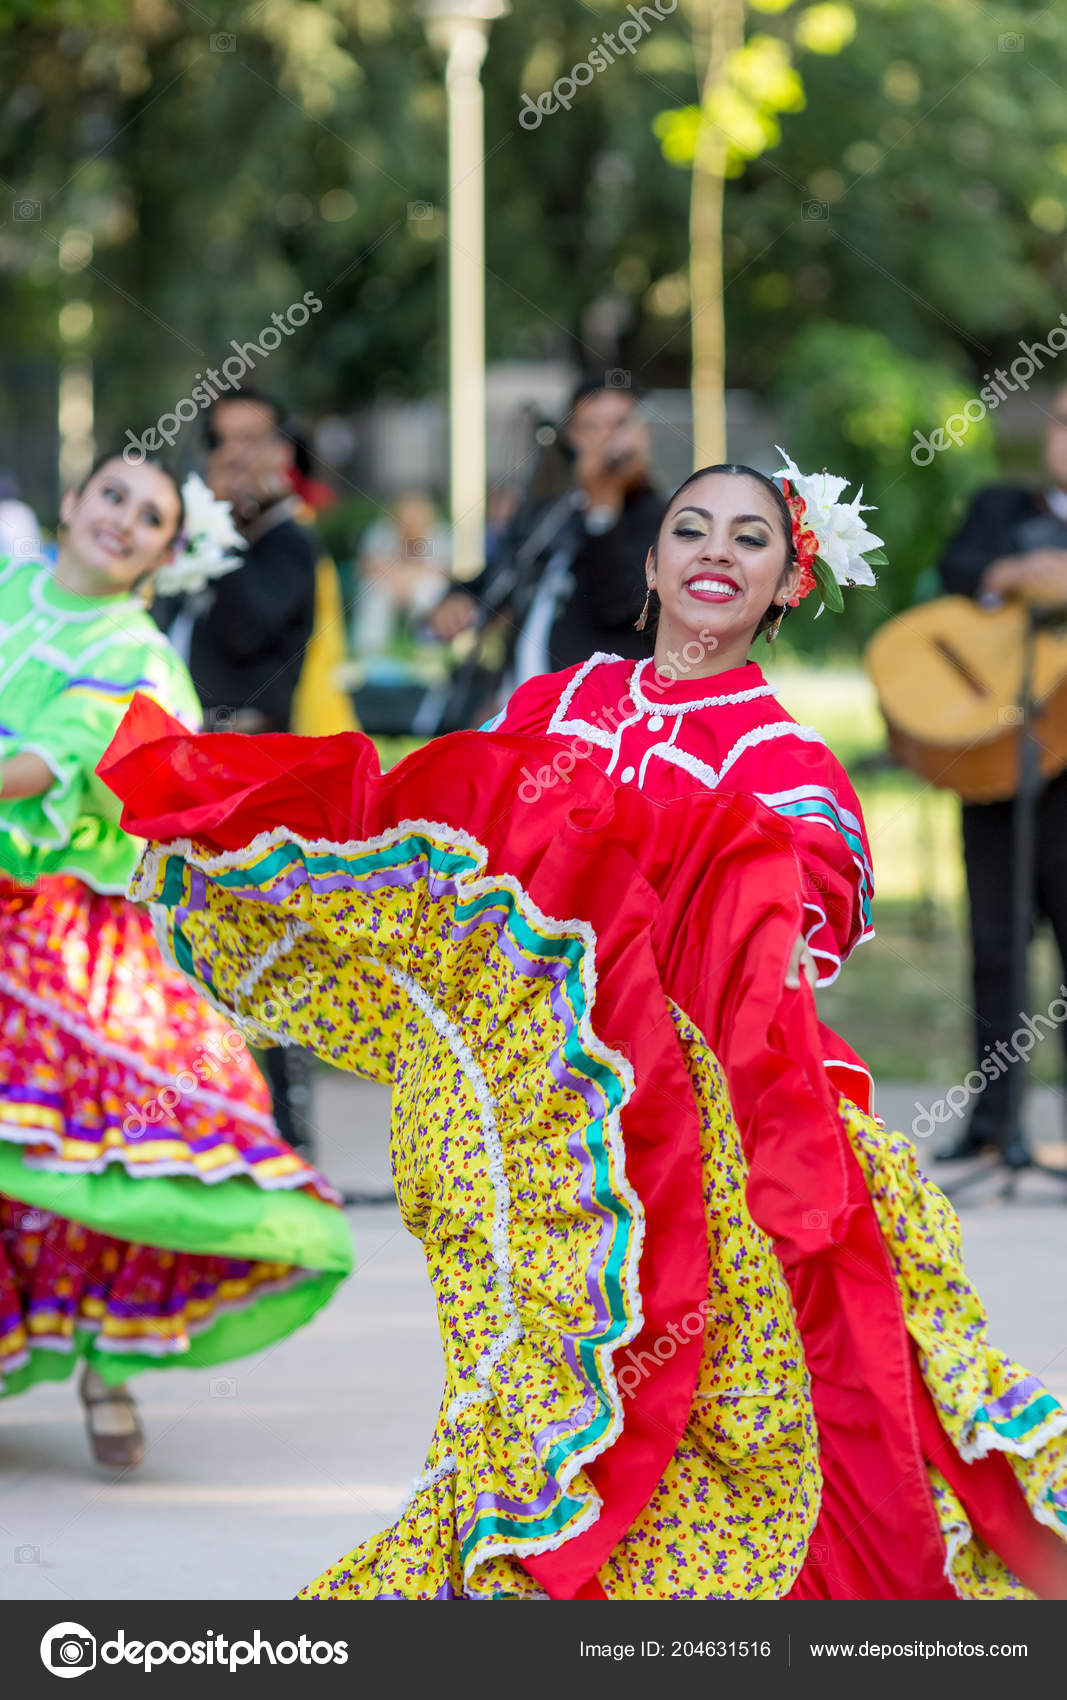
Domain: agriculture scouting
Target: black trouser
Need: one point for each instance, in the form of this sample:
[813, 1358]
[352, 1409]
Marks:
[288, 1072]
[989, 857]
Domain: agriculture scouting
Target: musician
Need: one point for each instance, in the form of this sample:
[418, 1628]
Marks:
[1013, 541]
[245, 639]
[569, 575]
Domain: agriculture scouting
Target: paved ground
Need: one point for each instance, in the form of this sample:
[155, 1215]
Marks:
[258, 1479]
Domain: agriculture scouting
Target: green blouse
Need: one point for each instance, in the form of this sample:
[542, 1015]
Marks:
[69, 666]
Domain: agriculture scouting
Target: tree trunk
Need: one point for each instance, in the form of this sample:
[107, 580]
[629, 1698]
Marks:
[718, 30]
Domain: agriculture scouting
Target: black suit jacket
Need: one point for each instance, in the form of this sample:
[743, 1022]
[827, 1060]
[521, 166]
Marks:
[606, 589]
[1003, 519]
[252, 626]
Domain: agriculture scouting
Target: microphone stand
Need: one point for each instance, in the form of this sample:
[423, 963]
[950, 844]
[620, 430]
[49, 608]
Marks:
[1024, 834]
[549, 528]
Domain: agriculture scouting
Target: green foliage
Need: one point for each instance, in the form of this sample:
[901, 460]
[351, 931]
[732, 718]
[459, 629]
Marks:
[761, 83]
[827, 586]
[852, 402]
[914, 193]
[907, 229]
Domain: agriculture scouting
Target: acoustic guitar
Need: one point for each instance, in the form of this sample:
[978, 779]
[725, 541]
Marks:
[949, 677]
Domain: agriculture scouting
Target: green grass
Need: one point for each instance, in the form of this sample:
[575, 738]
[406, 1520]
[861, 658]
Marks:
[903, 1000]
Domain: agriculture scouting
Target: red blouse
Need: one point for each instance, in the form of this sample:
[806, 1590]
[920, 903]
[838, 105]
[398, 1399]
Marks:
[726, 733]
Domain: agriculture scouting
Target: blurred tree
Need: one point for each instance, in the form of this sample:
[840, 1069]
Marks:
[174, 181]
[743, 88]
[933, 141]
[853, 400]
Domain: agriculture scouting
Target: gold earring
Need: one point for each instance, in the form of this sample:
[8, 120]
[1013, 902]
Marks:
[642, 620]
[773, 629]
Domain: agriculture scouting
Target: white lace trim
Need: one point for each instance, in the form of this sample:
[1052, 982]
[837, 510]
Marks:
[513, 1331]
[783, 1390]
[830, 1063]
[449, 1466]
[816, 1490]
[429, 1478]
[294, 932]
[987, 1440]
[711, 777]
[668, 750]
[772, 799]
[527, 1594]
[799, 792]
[23, 1135]
[531, 1548]
[677, 708]
[831, 956]
[959, 1534]
[245, 1024]
[166, 1348]
[16, 1361]
[561, 725]
[197, 856]
[559, 714]
[464, 1401]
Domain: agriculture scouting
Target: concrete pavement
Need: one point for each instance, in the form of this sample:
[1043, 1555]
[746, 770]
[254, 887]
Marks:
[260, 1475]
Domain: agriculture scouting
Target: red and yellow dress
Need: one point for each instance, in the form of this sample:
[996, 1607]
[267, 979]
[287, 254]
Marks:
[150, 1213]
[706, 1328]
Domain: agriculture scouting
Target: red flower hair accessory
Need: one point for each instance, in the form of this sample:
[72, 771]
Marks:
[834, 547]
[805, 543]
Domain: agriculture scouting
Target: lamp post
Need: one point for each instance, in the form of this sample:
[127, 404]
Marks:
[75, 414]
[460, 30]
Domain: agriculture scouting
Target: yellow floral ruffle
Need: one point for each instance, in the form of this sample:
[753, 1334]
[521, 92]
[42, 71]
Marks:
[985, 1402]
[447, 981]
[733, 1513]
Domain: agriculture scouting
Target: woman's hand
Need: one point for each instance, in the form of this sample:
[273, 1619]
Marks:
[800, 962]
[25, 775]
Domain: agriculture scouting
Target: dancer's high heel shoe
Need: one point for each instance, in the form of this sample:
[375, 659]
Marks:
[115, 1433]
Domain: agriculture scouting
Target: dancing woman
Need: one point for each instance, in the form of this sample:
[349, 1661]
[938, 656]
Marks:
[706, 1328]
[149, 1212]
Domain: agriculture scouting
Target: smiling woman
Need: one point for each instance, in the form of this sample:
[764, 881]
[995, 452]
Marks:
[113, 1105]
[707, 1333]
[719, 569]
[119, 528]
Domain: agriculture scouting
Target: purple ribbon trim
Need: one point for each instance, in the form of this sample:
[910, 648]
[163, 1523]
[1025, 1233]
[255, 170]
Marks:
[31, 1095]
[1020, 1394]
[106, 684]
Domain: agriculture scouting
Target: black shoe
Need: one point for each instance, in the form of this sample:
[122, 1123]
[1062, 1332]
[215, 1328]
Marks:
[970, 1143]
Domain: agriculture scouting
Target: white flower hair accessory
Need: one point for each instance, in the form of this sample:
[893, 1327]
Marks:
[833, 544]
[206, 542]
